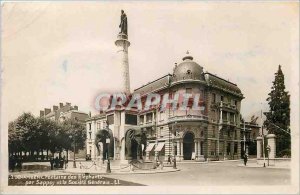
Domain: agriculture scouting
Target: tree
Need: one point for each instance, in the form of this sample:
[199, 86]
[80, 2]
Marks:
[279, 114]
[76, 130]
[36, 135]
[26, 129]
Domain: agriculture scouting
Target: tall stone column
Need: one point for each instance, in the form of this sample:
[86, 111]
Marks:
[181, 150]
[258, 147]
[122, 43]
[178, 150]
[199, 148]
[271, 143]
[196, 149]
[173, 147]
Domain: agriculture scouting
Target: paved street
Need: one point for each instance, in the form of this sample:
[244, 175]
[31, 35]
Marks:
[203, 174]
[214, 173]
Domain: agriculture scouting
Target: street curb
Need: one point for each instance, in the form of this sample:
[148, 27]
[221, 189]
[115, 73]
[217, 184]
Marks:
[267, 167]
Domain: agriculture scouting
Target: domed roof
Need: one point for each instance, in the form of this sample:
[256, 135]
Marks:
[188, 69]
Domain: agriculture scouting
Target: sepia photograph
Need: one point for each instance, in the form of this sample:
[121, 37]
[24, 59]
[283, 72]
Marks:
[142, 97]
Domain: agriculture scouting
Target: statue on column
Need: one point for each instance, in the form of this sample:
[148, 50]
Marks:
[123, 24]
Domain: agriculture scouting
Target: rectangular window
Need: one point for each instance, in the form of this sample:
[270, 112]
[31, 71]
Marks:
[161, 115]
[235, 148]
[90, 126]
[224, 116]
[160, 132]
[214, 131]
[228, 100]
[110, 119]
[98, 125]
[90, 135]
[201, 94]
[130, 119]
[149, 117]
[214, 115]
[213, 148]
[213, 98]
[141, 119]
[222, 98]
[172, 94]
[188, 90]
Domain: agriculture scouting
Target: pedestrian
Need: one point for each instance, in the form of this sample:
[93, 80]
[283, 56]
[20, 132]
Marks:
[245, 159]
[56, 162]
[65, 162]
[19, 163]
[51, 162]
[161, 165]
[12, 163]
[169, 159]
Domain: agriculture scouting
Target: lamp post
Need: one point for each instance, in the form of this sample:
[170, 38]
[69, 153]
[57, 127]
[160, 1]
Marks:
[263, 140]
[74, 162]
[108, 161]
[268, 149]
[174, 160]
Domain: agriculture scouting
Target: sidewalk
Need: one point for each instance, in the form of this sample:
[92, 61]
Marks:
[255, 165]
[119, 171]
[206, 162]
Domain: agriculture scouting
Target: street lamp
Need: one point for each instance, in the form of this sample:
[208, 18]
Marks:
[174, 160]
[108, 161]
[268, 149]
[74, 162]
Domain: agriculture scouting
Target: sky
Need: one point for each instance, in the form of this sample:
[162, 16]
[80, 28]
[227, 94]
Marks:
[64, 51]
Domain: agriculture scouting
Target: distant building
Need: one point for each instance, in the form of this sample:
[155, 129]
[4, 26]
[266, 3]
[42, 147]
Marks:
[62, 112]
[249, 133]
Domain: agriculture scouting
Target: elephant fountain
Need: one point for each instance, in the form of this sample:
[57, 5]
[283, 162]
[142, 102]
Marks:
[135, 144]
[107, 148]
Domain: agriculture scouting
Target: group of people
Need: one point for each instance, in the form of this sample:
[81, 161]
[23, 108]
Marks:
[15, 162]
[58, 162]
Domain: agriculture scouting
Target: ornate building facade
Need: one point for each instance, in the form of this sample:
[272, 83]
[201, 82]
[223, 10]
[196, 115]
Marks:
[213, 133]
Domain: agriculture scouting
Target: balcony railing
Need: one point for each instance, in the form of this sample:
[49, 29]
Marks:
[227, 105]
[188, 118]
[226, 122]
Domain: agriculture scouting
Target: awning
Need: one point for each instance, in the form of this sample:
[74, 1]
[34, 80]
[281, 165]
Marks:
[159, 146]
[150, 147]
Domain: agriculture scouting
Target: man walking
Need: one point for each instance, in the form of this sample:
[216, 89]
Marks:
[245, 159]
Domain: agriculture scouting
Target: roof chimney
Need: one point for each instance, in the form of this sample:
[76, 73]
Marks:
[75, 107]
[61, 105]
[42, 113]
[55, 108]
[47, 111]
[68, 104]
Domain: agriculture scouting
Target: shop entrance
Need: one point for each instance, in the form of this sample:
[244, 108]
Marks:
[188, 146]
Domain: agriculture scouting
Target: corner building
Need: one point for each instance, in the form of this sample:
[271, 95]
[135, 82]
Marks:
[210, 134]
